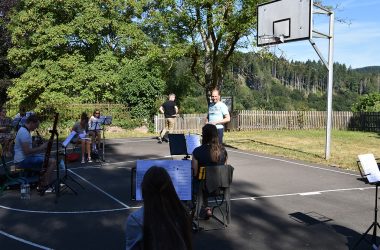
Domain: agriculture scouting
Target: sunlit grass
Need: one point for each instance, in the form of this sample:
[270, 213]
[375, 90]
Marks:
[308, 145]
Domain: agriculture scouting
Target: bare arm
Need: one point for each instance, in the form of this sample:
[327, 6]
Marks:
[29, 151]
[194, 166]
[161, 110]
[176, 110]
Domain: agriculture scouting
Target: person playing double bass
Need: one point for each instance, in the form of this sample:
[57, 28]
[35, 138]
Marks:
[29, 157]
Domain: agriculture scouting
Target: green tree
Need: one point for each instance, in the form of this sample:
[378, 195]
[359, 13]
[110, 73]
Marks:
[78, 51]
[367, 103]
[210, 31]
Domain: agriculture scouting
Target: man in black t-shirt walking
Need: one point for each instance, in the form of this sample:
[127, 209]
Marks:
[170, 110]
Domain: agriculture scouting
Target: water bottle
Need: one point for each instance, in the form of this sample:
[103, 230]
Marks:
[62, 165]
[25, 191]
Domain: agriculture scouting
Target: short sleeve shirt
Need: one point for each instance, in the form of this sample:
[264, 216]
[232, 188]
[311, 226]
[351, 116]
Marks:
[134, 229]
[216, 112]
[203, 156]
[169, 109]
[23, 136]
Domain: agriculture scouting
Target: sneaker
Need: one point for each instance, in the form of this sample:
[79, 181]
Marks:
[83, 161]
[160, 142]
[50, 190]
[89, 160]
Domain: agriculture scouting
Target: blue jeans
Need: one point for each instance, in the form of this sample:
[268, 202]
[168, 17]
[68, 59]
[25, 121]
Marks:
[32, 161]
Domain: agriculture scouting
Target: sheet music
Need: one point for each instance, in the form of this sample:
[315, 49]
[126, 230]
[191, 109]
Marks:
[108, 120]
[370, 168]
[179, 171]
[68, 139]
[192, 141]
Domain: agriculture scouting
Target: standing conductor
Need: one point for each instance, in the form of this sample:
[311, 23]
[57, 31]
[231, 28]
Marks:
[170, 111]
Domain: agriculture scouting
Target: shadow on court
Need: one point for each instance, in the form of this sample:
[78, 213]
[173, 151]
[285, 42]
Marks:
[271, 207]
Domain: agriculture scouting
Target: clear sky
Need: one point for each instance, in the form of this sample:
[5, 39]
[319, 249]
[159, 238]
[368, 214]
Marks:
[357, 39]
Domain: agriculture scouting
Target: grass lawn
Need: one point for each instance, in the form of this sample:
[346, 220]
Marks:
[308, 145]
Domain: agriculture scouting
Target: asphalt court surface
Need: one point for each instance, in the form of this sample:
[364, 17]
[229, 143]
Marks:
[277, 203]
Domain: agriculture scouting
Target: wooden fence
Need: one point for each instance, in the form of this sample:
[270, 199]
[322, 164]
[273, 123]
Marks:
[246, 120]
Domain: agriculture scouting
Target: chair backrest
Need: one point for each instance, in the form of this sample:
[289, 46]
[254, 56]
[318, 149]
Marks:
[370, 167]
[219, 176]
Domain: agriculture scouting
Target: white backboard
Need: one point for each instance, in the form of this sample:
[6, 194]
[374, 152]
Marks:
[284, 21]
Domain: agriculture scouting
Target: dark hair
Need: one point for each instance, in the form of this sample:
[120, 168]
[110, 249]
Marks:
[210, 136]
[84, 116]
[166, 222]
[32, 119]
[96, 110]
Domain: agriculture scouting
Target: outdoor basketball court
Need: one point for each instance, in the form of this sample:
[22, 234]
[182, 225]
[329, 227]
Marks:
[276, 203]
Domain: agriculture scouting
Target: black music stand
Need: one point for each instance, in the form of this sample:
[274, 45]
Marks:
[177, 145]
[371, 172]
[99, 125]
[66, 175]
[58, 181]
[181, 144]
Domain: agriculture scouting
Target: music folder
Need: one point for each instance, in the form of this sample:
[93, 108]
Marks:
[68, 139]
[179, 171]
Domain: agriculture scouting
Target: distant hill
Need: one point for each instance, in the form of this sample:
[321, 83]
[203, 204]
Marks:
[369, 69]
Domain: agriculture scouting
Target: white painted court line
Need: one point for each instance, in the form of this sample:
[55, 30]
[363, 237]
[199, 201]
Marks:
[24, 241]
[302, 194]
[99, 189]
[67, 212]
[295, 163]
[309, 193]
[136, 207]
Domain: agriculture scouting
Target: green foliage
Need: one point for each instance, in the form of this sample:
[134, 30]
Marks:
[139, 88]
[368, 103]
[194, 105]
[81, 51]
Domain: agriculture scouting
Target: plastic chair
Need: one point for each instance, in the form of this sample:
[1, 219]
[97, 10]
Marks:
[215, 182]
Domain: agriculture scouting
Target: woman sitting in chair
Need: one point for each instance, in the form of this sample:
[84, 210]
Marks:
[81, 128]
[95, 129]
[210, 153]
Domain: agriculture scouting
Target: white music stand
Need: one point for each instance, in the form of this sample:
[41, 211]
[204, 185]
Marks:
[371, 172]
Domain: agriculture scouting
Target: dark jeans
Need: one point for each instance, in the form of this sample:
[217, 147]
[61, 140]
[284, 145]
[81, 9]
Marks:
[220, 135]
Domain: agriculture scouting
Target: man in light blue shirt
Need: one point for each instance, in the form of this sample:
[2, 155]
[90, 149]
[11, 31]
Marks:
[218, 113]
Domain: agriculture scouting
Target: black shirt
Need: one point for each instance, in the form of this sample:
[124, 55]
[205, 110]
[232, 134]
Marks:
[169, 109]
[203, 156]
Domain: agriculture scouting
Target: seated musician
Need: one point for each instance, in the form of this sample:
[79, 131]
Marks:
[95, 127]
[81, 128]
[28, 157]
[210, 153]
[20, 118]
[6, 134]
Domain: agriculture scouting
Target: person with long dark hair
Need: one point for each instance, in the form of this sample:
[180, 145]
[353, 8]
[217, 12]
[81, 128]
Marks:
[162, 223]
[210, 153]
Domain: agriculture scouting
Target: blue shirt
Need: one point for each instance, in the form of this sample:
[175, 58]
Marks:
[216, 112]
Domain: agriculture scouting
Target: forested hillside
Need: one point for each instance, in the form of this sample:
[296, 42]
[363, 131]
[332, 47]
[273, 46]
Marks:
[278, 84]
